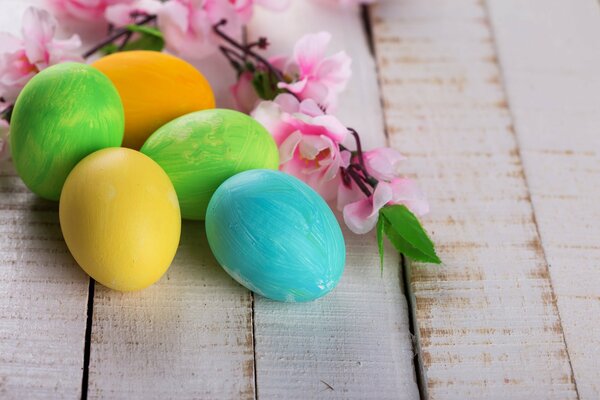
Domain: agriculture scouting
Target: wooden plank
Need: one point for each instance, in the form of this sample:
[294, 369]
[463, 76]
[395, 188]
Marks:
[43, 293]
[189, 335]
[550, 57]
[355, 342]
[43, 299]
[487, 319]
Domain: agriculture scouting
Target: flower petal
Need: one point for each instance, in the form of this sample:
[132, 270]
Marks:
[269, 114]
[335, 71]
[287, 149]
[288, 103]
[309, 51]
[406, 191]
[244, 95]
[361, 216]
[335, 129]
[311, 146]
[9, 43]
[38, 30]
[348, 194]
[381, 196]
[294, 87]
[358, 216]
[382, 162]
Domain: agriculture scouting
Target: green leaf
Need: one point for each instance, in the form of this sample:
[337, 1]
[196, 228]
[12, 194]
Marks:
[149, 39]
[407, 235]
[144, 29]
[257, 82]
[265, 85]
[109, 49]
[381, 222]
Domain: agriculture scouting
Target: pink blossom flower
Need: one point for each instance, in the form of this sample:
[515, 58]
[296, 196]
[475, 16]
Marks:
[308, 141]
[316, 76]
[244, 94]
[245, 8]
[21, 59]
[361, 216]
[188, 24]
[121, 14]
[84, 10]
[382, 163]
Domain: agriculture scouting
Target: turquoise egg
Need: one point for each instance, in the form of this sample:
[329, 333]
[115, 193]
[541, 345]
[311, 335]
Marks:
[276, 236]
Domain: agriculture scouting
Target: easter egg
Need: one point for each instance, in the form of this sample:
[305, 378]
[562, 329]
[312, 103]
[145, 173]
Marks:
[276, 236]
[120, 218]
[201, 150]
[63, 114]
[155, 88]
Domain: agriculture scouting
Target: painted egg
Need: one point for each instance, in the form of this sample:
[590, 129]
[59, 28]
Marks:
[155, 88]
[63, 114]
[120, 218]
[199, 151]
[276, 236]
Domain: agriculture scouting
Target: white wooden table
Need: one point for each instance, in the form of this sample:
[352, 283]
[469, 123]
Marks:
[497, 105]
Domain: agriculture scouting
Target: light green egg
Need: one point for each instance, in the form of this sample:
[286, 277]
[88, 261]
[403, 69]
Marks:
[199, 151]
[63, 114]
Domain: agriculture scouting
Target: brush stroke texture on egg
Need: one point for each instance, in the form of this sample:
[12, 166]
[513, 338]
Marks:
[120, 218]
[276, 236]
[63, 114]
[199, 151]
[155, 88]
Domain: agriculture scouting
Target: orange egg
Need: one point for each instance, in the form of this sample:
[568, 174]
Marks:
[155, 88]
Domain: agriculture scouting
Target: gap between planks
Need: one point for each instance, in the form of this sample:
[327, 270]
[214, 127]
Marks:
[551, 57]
[447, 110]
[404, 262]
[125, 331]
[528, 188]
[355, 339]
[88, 340]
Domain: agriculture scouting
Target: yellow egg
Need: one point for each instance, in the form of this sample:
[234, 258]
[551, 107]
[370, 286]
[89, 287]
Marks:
[154, 88]
[120, 217]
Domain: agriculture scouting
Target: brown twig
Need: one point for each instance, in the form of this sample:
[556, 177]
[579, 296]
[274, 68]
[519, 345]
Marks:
[116, 35]
[247, 50]
[359, 181]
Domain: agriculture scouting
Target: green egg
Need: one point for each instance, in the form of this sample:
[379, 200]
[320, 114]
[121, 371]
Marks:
[201, 150]
[63, 114]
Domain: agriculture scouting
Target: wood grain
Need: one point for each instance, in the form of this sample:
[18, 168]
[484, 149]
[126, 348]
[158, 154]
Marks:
[43, 299]
[43, 293]
[188, 336]
[355, 342]
[487, 319]
[554, 95]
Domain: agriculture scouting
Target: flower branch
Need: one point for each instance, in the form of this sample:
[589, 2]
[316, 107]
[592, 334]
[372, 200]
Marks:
[311, 148]
[262, 43]
[116, 35]
[294, 97]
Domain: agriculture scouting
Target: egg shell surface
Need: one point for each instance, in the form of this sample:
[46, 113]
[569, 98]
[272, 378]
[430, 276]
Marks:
[199, 151]
[155, 88]
[63, 114]
[120, 218]
[276, 236]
